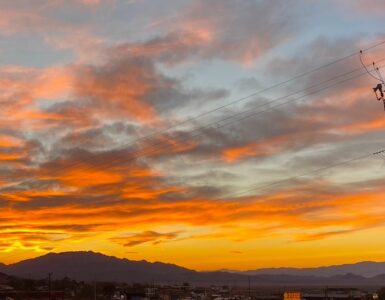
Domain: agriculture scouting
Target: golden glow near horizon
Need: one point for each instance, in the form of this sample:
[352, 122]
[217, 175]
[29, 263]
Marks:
[91, 157]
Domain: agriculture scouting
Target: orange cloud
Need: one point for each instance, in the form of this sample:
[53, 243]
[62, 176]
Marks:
[79, 178]
[11, 156]
[7, 141]
[119, 92]
[371, 125]
[145, 237]
[263, 147]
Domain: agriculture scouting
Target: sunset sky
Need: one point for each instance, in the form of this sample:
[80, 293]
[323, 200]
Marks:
[136, 128]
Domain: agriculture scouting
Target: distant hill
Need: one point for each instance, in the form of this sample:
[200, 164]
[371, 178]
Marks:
[94, 266]
[366, 269]
[90, 266]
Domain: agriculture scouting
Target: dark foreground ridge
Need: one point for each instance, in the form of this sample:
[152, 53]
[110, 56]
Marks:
[91, 266]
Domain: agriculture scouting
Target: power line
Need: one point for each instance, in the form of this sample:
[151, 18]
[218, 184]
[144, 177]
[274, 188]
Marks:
[381, 152]
[154, 148]
[256, 93]
[243, 112]
[320, 170]
[162, 131]
[239, 100]
[162, 146]
[379, 78]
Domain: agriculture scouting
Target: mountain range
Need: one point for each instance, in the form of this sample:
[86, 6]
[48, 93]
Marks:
[366, 269]
[91, 266]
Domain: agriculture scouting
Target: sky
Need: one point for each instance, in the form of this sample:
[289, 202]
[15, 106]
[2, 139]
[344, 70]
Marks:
[221, 134]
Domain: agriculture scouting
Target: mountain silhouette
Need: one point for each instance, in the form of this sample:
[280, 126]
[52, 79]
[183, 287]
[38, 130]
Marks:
[91, 266]
[365, 269]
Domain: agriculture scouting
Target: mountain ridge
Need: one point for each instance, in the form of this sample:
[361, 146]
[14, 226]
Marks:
[91, 266]
[364, 268]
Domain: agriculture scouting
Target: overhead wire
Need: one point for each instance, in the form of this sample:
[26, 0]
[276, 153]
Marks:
[305, 174]
[90, 168]
[135, 154]
[239, 100]
[381, 152]
[296, 99]
[154, 148]
[366, 68]
[160, 145]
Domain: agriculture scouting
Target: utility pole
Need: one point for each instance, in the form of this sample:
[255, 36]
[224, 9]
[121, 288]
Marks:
[95, 290]
[49, 286]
